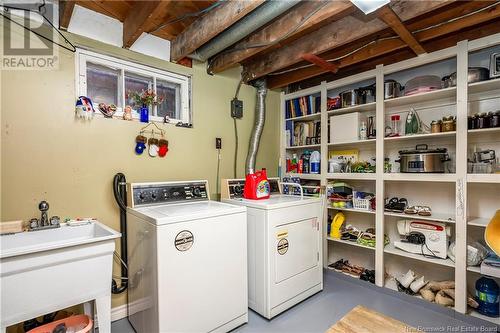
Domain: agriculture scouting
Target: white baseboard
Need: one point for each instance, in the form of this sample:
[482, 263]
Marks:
[119, 312]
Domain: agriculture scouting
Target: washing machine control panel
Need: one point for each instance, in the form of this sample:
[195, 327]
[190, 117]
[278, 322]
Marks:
[144, 194]
[236, 186]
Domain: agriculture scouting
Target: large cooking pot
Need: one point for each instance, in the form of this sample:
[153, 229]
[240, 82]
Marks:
[423, 160]
[392, 89]
[350, 98]
[367, 94]
[475, 74]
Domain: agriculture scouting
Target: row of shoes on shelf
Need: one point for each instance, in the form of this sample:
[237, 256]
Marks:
[400, 205]
[358, 272]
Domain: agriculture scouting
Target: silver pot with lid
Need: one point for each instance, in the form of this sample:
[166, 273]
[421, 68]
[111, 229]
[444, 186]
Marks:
[423, 160]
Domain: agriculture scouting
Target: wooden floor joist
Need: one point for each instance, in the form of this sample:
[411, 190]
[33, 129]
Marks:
[210, 25]
[390, 18]
[386, 47]
[331, 36]
[322, 13]
[141, 19]
[65, 12]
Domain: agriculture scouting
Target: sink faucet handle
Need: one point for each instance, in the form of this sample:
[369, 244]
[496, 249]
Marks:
[43, 206]
[34, 223]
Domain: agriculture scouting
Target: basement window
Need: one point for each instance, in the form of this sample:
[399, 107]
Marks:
[111, 80]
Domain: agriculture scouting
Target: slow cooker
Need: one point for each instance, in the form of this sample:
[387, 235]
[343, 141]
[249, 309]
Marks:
[423, 160]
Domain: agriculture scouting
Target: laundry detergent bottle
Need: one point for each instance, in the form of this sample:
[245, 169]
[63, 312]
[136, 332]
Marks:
[487, 291]
[257, 186]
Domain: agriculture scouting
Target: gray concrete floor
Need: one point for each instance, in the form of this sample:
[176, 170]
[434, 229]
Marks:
[339, 296]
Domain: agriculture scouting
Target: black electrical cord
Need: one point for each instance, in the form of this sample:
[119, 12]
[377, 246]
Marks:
[42, 6]
[236, 139]
[120, 194]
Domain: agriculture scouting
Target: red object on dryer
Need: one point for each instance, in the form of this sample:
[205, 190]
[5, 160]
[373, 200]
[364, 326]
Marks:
[257, 186]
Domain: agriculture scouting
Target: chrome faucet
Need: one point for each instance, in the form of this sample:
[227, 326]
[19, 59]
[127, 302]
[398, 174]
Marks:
[44, 222]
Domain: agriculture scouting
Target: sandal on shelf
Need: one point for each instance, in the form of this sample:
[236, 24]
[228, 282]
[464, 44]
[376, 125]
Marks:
[400, 206]
[425, 211]
[356, 271]
[389, 206]
[411, 210]
[339, 265]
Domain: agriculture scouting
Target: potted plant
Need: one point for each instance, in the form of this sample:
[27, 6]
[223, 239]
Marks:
[145, 98]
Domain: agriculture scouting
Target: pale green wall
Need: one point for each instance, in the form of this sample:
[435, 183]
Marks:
[48, 155]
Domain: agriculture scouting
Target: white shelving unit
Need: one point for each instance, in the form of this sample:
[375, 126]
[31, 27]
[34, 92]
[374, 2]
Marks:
[469, 198]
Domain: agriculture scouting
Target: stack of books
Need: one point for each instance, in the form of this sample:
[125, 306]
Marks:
[302, 106]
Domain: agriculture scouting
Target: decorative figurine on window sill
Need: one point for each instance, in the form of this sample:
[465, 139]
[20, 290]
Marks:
[127, 113]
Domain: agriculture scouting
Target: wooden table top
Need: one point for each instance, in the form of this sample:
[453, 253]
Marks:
[364, 320]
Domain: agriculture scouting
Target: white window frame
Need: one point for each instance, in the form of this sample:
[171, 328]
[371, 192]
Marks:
[83, 56]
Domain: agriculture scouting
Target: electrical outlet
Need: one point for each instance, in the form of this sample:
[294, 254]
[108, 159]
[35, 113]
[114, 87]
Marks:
[218, 143]
[236, 108]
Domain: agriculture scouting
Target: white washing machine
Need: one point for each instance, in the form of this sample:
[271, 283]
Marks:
[187, 259]
[284, 247]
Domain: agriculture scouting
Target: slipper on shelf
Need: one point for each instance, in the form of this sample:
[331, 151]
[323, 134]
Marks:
[425, 211]
[356, 271]
[411, 210]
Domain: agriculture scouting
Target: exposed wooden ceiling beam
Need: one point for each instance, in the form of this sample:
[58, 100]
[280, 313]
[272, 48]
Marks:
[385, 47]
[321, 63]
[65, 12]
[390, 18]
[320, 13]
[333, 35]
[210, 25]
[140, 19]
[449, 40]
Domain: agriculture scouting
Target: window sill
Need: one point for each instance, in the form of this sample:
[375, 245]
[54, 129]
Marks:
[135, 118]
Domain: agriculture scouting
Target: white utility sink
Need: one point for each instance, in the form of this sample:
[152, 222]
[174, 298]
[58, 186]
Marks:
[48, 270]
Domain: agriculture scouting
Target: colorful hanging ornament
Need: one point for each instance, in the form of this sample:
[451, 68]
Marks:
[163, 149]
[140, 144]
[153, 147]
[84, 108]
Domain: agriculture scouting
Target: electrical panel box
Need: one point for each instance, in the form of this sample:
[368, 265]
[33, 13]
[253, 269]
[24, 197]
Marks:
[237, 108]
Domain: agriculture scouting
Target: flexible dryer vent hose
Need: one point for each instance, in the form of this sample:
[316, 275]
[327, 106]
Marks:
[260, 118]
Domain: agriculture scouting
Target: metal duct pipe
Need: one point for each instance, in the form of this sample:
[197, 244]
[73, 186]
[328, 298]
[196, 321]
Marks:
[251, 22]
[260, 118]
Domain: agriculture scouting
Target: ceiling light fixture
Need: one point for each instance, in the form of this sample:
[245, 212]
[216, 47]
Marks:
[369, 6]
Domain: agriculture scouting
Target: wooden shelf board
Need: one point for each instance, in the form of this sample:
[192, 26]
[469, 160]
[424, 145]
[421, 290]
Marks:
[312, 176]
[352, 210]
[476, 269]
[443, 262]
[478, 221]
[437, 217]
[360, 176]
[349, 243]
[422, 136]
[421, 177]
[483, 317]
[316, 115]
[302, 147]
[353, 143]
[483, 178]
[356, 108]
[419, 98]
[484, 86]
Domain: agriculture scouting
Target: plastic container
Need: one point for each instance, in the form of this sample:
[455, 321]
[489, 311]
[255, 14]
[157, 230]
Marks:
[487, 295]
[76, 324]
[314, 162]
[257, 186]
[361, 204]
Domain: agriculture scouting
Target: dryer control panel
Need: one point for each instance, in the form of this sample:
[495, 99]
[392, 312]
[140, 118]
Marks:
[147, 194]
[233, 188]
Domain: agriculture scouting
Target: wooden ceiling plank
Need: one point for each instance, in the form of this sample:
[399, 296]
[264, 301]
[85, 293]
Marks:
[390, 18]
[386, 47]
[210, 25]
[333, 35]
[65, 12]
[140, 18]
[328, 12]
